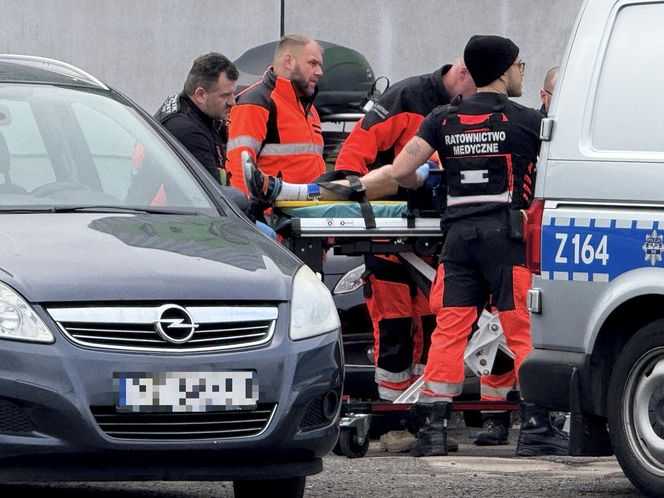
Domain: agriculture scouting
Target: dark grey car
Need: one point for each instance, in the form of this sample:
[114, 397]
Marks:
[148, 330]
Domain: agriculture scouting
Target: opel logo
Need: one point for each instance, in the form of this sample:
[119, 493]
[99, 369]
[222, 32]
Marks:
[175, 324]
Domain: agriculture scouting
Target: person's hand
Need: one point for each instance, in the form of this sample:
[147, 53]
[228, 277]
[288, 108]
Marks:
[422, 173]
[428, 181]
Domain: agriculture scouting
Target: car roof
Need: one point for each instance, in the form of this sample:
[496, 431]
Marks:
[31, 69]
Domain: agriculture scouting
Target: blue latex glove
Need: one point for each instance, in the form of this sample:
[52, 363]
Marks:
[428, 181]
[267, 230]
[422, 173]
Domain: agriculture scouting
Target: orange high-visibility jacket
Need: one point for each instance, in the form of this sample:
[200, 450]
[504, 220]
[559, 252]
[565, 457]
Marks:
[395, 118]
[281, 132]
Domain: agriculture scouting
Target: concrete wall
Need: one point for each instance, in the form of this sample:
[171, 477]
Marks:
[144, 48]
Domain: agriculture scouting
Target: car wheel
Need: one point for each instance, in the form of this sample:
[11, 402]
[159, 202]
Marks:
[293, 487]
[636, 409]
[349, 444]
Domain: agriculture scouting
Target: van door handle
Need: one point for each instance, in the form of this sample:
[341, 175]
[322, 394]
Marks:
[546, 127]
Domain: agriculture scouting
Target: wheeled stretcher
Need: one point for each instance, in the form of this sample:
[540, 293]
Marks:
[309, 228]
[309, 225]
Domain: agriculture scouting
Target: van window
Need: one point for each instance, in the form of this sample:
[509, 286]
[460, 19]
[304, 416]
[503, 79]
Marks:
[629, 106]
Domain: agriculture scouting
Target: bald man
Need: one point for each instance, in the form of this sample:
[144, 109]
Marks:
[275, 121]
[546, 93]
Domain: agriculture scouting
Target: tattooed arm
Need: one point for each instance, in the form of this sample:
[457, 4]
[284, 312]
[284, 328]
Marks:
[386, 180]
[414, 154]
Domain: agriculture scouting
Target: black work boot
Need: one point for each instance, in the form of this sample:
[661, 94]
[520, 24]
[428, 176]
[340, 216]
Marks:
[537, 435]
[261, 186]
[494, 431]
[416, 420]
[432, 436]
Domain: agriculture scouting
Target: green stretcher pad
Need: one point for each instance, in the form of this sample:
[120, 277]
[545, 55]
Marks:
[312, 209]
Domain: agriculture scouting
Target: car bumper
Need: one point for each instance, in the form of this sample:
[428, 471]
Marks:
[50, 428]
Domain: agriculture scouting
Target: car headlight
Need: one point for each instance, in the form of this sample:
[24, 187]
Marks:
[312, 309]
[19, 321]
[350, 281]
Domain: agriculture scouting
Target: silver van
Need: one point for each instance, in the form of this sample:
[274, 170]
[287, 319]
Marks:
[595, 238]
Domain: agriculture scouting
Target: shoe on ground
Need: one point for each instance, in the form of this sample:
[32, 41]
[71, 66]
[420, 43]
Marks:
[542, 441]
[397, 441]
[537, 435]
[493, 433]
[403, 442]
[429, 444]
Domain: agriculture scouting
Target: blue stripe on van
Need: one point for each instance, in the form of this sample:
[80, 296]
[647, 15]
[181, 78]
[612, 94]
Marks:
[599, 253]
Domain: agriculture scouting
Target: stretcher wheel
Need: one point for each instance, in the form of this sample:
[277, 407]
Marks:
[349, 445]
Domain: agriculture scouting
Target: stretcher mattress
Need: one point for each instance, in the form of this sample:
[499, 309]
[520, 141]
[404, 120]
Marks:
[329, 218]
[340, 209]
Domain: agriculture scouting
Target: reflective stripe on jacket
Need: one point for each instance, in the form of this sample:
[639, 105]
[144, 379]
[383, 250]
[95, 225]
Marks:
[281, 131]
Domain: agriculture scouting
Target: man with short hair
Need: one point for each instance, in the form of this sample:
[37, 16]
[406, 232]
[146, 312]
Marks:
[197, 116]
[546, 93]
[275, 121]
[395, 117]
[399, 311]
[488, 147]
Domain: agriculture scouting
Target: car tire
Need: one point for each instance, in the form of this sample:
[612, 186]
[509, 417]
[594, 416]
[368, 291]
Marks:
[636, 409]
[292, 487]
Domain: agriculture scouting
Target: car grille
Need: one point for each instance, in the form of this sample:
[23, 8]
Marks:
[170, 426]
[13, 420]
[313, 417]
[166, 328]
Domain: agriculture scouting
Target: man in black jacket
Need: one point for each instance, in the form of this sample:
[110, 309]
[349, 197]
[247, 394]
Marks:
[197, 116]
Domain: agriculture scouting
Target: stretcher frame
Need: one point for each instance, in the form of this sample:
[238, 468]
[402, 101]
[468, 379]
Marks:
[307, 237]
[410, 238]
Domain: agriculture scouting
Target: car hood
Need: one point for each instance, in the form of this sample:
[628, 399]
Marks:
[58, 257]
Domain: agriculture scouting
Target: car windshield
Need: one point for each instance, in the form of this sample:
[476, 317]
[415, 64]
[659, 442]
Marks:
[65, 148]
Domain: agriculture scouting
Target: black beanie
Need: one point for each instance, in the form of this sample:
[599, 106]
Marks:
[487, 57]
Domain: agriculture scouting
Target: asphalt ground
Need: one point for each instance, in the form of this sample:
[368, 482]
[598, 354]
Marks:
[473, 471]
[489, 471]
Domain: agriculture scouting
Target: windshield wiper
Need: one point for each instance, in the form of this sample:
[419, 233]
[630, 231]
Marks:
[119, 209]
[98, 209]
[23, 209]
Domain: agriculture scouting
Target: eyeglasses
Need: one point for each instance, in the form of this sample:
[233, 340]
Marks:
[546, 91]
[522, 66]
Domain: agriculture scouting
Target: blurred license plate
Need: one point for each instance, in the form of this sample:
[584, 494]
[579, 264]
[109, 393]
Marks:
[185, 391]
